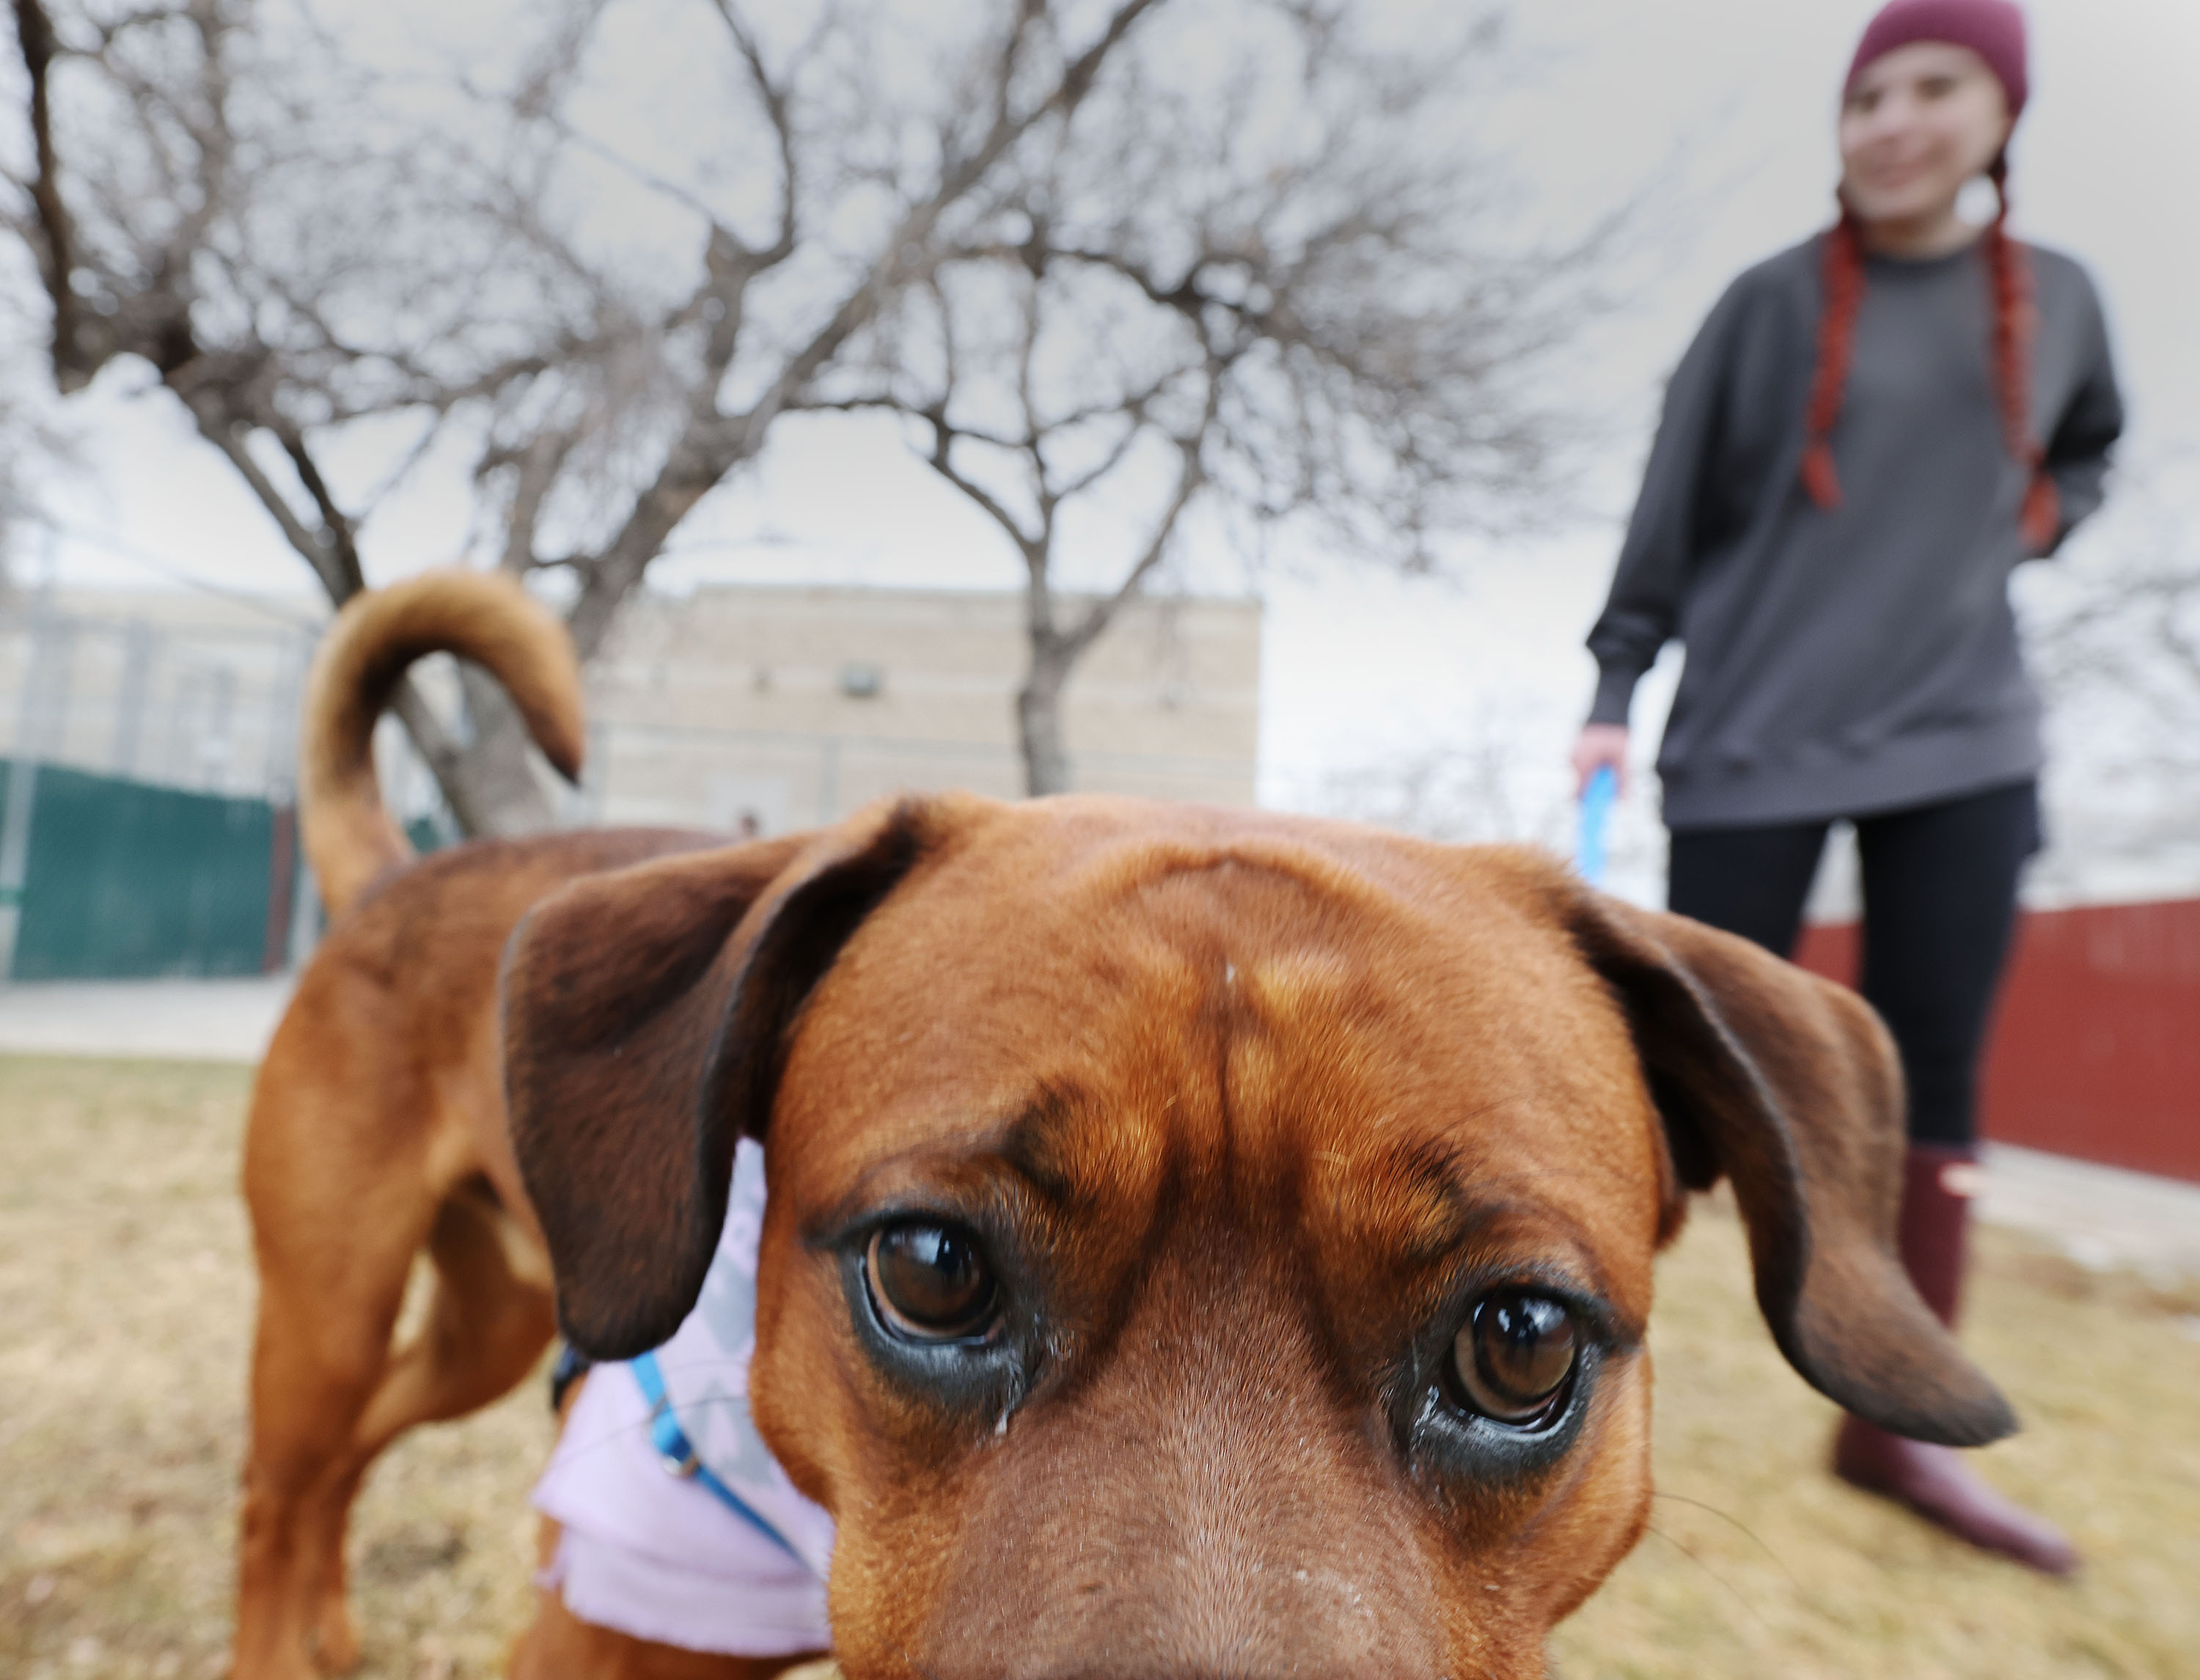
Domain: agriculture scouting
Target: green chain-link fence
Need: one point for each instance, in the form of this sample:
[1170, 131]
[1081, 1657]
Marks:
[123, 879]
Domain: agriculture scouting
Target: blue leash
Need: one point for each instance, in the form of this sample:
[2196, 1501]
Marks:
[1596, 803]
[677, 1453]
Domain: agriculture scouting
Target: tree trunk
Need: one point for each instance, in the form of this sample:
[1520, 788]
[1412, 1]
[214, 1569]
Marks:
[1038, 723]
[503, 793]
[486, 780]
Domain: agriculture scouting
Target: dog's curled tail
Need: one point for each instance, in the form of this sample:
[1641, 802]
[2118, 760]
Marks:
[485, 616]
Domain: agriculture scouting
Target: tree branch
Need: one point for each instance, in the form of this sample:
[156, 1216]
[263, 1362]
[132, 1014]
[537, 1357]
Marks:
[708, 447]
[774, 96]
[956, 178]
[74, 361]
[324, 556]
[336, 532]
[1097, 618]
[1069, 489]
[536, 469]
[940, 461]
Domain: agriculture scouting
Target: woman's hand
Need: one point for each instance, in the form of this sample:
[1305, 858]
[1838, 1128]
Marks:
[1600, 745]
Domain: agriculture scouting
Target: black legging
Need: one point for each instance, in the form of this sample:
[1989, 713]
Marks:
[1939, 895]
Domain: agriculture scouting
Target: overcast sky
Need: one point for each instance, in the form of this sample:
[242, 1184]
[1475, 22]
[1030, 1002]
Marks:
[1725, 108]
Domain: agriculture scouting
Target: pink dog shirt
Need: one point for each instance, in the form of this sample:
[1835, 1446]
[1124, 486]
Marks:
[659, 1556]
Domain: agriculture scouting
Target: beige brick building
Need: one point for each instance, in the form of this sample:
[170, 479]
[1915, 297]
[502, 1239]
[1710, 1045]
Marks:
[792, 707]
[788, 706]
[188, 690]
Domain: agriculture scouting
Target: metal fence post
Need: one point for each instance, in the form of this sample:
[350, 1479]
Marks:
[140, 647]
[47, 669]
[14, 853]
[280, 776]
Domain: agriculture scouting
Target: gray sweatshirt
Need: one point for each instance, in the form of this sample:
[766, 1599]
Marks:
[1861, 658]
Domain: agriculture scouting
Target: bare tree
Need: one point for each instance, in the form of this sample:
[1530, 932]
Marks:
[302, 247]
[1499, 777]
[25, 446]
[1233, 294]
[1065, 443]
[2113, 637]
[33, 447]
[1481, 787]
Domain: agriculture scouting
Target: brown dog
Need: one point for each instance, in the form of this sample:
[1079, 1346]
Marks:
[376, 1130]
[1198, 1241]
[1201, 1243]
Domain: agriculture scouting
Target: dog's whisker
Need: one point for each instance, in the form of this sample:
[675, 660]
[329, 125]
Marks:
[902, 1651]
[1735, 1592]
[1749, 1533]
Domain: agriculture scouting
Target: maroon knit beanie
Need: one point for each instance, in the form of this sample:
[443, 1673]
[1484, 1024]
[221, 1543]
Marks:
[1993, 29]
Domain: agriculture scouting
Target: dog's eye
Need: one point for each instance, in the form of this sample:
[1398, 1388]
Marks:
[930, 1283]
[1512, 1360]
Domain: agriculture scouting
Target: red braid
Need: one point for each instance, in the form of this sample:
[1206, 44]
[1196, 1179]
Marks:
[2016, 321]
[2010, 269]
[1843, 261]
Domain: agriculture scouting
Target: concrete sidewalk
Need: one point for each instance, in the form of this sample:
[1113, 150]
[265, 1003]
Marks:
[172, 1020]
[2100, 1217]
[2103, 1217]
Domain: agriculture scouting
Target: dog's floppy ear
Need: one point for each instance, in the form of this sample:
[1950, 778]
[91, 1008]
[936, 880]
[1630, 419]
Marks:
[645, 1019]
[1788, 1085]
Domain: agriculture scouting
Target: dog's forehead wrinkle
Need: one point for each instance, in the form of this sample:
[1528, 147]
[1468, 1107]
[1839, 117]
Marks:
[1424, 1199]
[1234, 900]
[1038, 1139]
[1139, 861]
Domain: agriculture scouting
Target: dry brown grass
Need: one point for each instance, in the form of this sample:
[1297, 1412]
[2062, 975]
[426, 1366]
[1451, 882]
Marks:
[125, 1303]
[1762, 1565]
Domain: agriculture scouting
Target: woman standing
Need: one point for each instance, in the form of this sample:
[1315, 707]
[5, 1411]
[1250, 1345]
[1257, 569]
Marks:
[1869, 433]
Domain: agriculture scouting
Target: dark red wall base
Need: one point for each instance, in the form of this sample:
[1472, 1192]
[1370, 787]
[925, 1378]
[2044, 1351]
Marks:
[2096, 1049]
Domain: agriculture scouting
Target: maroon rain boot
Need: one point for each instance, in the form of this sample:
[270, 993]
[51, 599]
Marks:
[1935, 1481]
